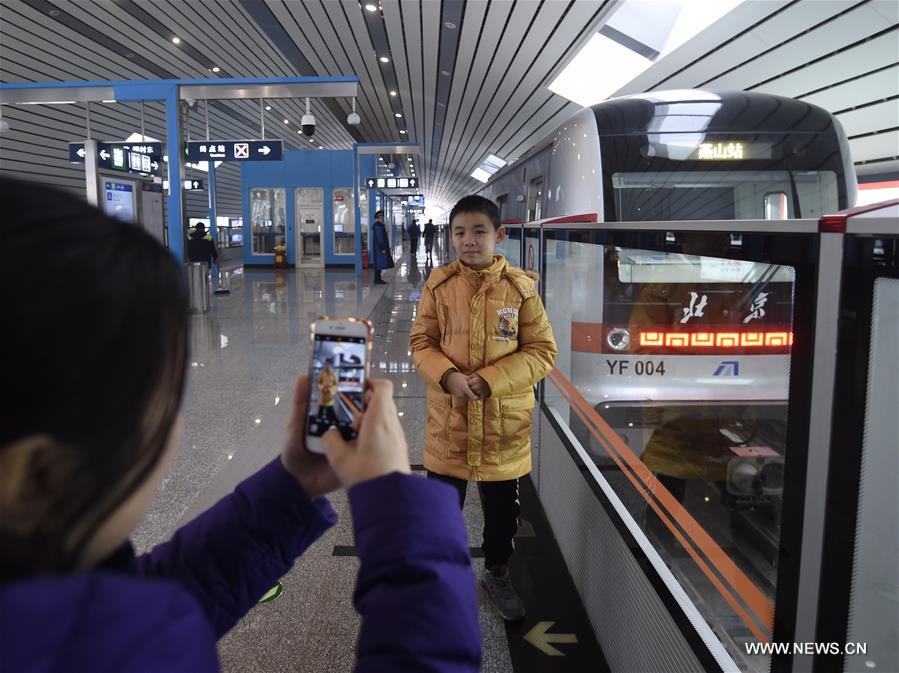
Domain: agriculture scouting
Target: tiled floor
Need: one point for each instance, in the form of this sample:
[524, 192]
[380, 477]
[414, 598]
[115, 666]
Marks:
[246, 353]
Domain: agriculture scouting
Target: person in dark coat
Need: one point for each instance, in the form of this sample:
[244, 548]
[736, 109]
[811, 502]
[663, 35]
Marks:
[414, 235]
[200, 247]
[430, 230]
[78, 471]
[380, 247]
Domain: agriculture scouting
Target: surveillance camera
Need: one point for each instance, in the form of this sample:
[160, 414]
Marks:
[308, 125]
[353, 119]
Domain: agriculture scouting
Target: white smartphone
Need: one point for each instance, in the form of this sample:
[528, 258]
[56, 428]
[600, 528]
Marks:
[338, 372]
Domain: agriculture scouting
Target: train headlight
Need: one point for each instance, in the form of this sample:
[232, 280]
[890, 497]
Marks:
[619, 339]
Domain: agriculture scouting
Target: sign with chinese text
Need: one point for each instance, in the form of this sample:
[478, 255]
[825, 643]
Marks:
[130, 157]
[234, 150]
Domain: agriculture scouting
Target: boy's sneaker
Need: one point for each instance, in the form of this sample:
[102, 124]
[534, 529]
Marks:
[503, 595]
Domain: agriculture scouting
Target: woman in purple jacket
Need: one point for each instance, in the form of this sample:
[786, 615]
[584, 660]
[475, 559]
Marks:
[95, 349]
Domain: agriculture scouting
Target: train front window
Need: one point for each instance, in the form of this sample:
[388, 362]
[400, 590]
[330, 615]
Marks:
[723, 195]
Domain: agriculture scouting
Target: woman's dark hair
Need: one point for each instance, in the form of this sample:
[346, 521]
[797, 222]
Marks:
[476, 204]
[94, 348]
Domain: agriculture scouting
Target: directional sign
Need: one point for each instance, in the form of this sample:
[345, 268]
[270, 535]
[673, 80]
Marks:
[391, 183]
[539, 638]
[234, 150]
[131, 157]
[194, 185]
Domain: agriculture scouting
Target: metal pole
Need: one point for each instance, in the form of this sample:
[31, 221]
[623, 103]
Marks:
[91, 180]
[357, 238]
[262, 116]
[206, 110]
[143, 137]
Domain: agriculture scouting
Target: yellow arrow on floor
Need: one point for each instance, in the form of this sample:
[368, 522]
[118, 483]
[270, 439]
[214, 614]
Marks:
[539, 638]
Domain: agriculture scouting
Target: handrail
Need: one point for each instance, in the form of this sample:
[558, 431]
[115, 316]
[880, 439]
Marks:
[799, 226]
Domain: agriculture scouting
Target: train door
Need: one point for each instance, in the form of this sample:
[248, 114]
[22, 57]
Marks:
[502, 204]
[535, 199]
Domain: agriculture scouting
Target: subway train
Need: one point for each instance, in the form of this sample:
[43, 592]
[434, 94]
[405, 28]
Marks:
[680, 340]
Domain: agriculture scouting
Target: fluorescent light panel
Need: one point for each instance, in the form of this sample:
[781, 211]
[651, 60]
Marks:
[603, 66]
[480, 174]
[598, 70]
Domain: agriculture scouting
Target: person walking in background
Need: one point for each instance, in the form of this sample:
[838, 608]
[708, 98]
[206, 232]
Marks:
[200, 247]
[481, 356]
[430, 230]
[414, 235]
[380, 247]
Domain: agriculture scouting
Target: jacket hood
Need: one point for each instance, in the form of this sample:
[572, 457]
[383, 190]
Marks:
[101, 621]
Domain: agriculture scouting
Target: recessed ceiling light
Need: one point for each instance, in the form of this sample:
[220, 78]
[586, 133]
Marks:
[300, 131]
[310, 140]
[450, 25]
[176, 40]
[441, 104]
[371, 8]
[397, 115]
[393, 93]
[403, 131]
[384, 59]
[215, 68]
[268, 107]
[445, 73]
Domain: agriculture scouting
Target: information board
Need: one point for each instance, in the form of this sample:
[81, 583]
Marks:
[118, 199]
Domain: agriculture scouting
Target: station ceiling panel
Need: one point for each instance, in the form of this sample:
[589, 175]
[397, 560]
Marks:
[462, 79]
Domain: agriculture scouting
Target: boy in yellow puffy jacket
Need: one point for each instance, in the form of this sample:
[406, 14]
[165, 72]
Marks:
[482, 340]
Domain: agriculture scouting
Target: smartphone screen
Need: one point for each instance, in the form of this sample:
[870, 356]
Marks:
[337, 383]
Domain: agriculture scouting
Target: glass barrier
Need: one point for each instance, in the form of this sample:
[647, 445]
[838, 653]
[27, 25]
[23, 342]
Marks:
[344, 221]
[267, 219]
[673, 374]
[510, 246]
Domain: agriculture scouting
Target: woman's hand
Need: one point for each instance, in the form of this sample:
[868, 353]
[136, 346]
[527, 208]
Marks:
[311, 470]
[381, 445]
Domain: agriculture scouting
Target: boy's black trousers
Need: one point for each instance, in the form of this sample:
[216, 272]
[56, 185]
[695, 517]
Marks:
[501, 506]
